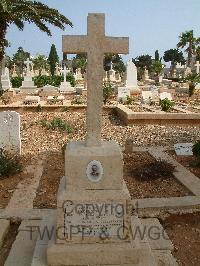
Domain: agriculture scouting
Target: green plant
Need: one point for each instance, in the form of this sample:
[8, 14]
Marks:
[130, 100]
[16, 82]
[5, 99]
[56, 123]
[65, 109]
[196, 149]
[41, 81]
[155, 170]
[166, 104]
[77, 101]
[38, 108]
[9, 164]
[53, 59]
[108, 90]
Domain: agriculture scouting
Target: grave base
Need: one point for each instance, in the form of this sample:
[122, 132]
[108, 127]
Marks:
[100, 254]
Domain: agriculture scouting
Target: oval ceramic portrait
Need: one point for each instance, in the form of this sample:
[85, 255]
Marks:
[94, 171]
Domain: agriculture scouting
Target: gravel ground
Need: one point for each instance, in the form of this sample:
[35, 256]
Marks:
[37, 139]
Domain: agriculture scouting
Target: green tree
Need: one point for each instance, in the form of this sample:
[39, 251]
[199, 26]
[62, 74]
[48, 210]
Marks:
[118, 64]
[19, 57]
[20, 11]
[141, 62]
[41, 62]
[188, 41]
[157, 56]
[157, 67]
[174, 56]
[193, 79]
[80, 61]
[53, 59]
[198, 53]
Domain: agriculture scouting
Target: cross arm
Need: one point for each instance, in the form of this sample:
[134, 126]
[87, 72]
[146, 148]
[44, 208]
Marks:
[116, 45]
[74, 44]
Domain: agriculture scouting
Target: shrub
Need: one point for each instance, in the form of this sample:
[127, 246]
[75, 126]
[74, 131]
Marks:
[130, 100]
[9, 164]
[107, 92]
[39, 108]
[42, 81]
[16, 82]
[56, 123]
[155, 170]
[77, 101]
[196, 149]
[5, 99]
[166, 104]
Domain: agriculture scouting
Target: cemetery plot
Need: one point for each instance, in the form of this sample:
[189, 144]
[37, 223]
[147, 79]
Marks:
[148, 185]
[184, 232]
[9, 184]
[46, 196]
[190, 162]
[138, 108]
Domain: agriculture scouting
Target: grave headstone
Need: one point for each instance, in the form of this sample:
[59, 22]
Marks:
[65, 86]
[5, 79]
[131, 78]
[183, 149]
[123, 92]
[10, 139]
[28, 83]
[94, 170]
[165, 95]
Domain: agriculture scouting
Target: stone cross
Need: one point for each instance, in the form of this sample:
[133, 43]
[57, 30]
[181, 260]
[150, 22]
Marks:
[65, 71]
[197, 67]
[95, 44]
[28, 63]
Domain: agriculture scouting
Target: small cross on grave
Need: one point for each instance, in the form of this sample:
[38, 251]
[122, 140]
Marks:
[95, 44]
[65, 71]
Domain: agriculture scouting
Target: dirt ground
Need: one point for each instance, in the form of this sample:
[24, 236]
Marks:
[187, 161]
[161, 187]
[8, 241]
[46, 196]
[184, 232]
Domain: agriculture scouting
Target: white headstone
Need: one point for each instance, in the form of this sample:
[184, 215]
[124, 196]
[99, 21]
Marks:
[123, 92]
[131, 79]
[183, 148]
[10, 131]
[5, 79]
[28, 84]
[165, 95]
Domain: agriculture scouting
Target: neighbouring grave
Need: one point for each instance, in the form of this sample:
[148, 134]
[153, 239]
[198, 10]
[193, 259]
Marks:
[65, 87]
[183, 149]
[123, 93]
[5, 79]
[94, 176]
[10, 139]
[28, 83]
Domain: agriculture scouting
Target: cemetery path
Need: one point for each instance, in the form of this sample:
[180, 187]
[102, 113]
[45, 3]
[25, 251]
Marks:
[25, 192]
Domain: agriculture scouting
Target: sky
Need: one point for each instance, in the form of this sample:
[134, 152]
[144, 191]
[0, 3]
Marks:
[149, 24]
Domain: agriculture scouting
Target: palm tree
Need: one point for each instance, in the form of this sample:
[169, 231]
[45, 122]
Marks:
[188, 40]
[18, 12]
[193, 79]
[41, 62]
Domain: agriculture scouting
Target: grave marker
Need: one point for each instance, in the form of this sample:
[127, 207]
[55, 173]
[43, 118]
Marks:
[10, 139]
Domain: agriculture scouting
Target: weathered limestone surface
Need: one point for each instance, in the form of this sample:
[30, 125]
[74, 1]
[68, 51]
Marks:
[10, 138]
[95, 44]
[4, 227]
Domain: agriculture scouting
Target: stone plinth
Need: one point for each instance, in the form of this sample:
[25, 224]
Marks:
[28, 84]
[5, 82]
[65, 87]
